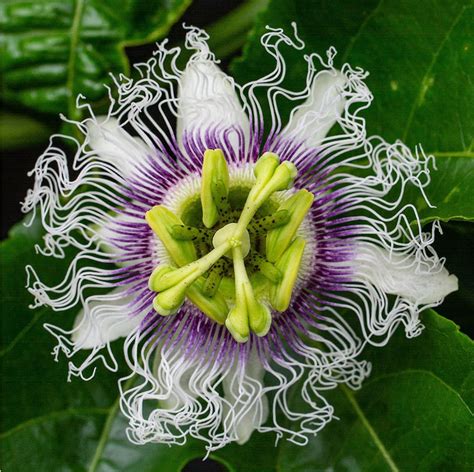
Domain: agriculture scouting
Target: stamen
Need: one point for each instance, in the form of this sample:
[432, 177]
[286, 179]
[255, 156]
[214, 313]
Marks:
[162, 221]
[271, 178]
[289, 265]
[275, 254]
[186, 275]
[215, 181]
[279, 239]
[220, 193]
[248, 312]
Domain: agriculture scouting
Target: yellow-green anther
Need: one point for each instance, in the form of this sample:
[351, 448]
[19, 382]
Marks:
[189, 233]
[260, 285]
[237, 321]
[186, 275]
[265, 168]
[281, 179]
[271, 178]
[279, 239]
[259, 263]
[248, 312]
[283, 176]
[161, 221]
[289, 265]
[214, 307]
[238, 324]
[169, 301]
[262, 225]
[156, 275]
[227, 288]
[160, 310]
[260, 318]
[214, 170]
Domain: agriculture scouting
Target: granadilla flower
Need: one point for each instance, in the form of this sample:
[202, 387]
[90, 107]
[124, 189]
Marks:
[241, 257]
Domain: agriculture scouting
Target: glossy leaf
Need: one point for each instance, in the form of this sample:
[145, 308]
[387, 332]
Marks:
[53, 50]
[44, 419]
[420, 67]
[415, 412]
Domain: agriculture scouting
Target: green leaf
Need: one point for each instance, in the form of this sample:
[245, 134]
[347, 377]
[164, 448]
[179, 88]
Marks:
[420, 67]
[415, 412]
[53, 50]
[46, 421]
[116, 453]
[20, 131]
[451, 191]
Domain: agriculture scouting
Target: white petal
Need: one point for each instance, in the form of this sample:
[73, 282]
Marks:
[311, 121]
[112, 143]
[240, 399]
[207, 98]
[104, 319]
[399, 274]
[180, 371]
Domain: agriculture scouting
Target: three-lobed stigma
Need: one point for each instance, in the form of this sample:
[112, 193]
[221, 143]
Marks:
[234, 251]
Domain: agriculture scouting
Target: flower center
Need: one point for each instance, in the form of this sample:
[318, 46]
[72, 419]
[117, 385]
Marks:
[234, 250]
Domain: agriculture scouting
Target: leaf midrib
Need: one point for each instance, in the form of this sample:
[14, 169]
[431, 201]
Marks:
[107, 428]
[71, 65]
[366, 423]
[373, 434]
[52, 415]
[417, 100]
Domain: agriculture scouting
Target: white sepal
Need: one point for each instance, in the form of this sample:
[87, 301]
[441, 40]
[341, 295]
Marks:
[401, 274]
[208, 99]
[243, 391]
[311, 121]
[103, 319]
[111, 142]
[177, 390]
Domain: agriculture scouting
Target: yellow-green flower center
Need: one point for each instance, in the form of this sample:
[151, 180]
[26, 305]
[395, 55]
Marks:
[234, 251]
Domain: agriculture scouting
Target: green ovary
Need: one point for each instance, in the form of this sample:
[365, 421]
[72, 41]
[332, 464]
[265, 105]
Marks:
[234, 250]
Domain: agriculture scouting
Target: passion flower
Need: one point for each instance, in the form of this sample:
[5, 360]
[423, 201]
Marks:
[241, 258]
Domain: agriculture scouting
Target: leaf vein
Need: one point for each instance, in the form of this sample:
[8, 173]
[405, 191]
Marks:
[72, 56]
[361, 28]
[369, 428]
[419, 97]
[52, 416]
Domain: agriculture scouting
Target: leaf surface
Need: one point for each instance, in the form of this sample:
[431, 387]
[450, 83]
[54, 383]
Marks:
[421, 67]
[53, 50]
